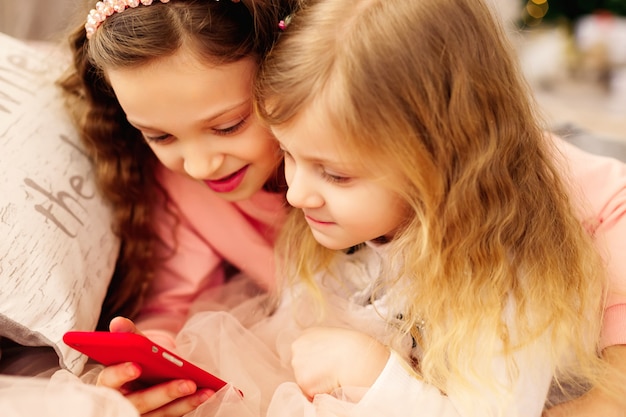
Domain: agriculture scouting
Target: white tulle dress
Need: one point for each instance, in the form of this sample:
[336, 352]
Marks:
[238, 341]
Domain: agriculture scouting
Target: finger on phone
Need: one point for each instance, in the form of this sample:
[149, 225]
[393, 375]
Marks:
[123, 325]
[116, 376]
[173, 398]
[182, 406]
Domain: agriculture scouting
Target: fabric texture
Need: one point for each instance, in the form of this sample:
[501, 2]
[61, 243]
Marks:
[598, 185]
[252, 351]
[61, 396]
[57, 251]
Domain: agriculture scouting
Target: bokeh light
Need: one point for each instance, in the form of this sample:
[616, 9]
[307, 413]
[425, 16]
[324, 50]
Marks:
[535, 11]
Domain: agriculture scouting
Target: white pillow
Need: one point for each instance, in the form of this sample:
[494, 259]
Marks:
[57, 249]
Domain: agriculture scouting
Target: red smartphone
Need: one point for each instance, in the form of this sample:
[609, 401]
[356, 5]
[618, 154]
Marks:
[157, 363]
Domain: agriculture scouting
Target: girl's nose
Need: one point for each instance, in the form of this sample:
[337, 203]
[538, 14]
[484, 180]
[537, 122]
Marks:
[202, 166]
[302, 192]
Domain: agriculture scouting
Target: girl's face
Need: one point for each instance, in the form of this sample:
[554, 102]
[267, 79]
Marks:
[198, 120]
[342, 203]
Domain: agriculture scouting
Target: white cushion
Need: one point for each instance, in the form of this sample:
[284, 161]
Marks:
[57, 250]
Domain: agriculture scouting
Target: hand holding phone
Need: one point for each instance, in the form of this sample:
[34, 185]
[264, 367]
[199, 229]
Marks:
[157, 363]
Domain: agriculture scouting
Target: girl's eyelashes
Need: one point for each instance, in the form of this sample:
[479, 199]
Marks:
[229, 130]
[160, 139]
[333, 178]
[325, 174]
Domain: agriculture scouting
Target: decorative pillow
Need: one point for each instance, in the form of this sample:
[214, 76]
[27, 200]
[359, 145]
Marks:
[57, 249]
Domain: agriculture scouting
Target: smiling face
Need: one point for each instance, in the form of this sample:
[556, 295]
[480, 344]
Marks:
[342, 202]
[199, 121]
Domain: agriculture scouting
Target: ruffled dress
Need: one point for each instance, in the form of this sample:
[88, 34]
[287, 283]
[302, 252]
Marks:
[251, 349]
[248, 346]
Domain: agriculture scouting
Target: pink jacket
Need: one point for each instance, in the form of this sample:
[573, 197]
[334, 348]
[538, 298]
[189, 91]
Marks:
[211, 231]
[600, 184]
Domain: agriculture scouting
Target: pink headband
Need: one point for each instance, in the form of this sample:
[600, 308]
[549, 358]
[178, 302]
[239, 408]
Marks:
[106, 8]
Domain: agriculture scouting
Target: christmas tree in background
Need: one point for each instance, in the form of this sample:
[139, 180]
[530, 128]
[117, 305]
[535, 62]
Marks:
[573, 9]
[536, 12]
[591, 40]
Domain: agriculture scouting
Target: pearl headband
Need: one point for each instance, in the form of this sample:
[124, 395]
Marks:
[106, 8]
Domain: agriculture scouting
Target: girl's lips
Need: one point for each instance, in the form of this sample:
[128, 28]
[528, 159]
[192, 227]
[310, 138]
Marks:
[315, 221]
[228, 183]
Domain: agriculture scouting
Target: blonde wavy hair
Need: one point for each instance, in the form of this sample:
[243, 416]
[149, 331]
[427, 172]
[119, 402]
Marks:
[431, 90]
[219, 32]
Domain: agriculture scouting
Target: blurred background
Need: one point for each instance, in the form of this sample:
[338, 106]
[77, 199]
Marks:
[573, 52]
[41, 20]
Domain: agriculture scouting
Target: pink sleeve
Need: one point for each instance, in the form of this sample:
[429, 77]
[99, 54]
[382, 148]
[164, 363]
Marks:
[194, 267]
[211, 231]
[600, 184]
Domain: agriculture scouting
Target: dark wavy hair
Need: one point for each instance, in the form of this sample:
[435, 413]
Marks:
[220, 32]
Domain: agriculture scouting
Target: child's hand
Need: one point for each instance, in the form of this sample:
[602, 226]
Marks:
[123, 325]
[172, 398]
[326, 358]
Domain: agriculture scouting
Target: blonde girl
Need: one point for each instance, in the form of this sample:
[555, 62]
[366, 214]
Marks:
[406, 124]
